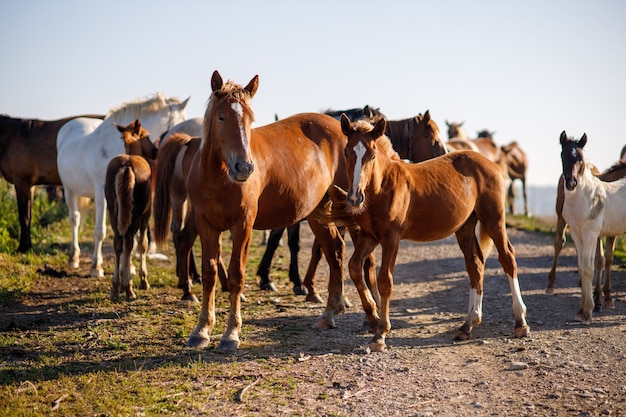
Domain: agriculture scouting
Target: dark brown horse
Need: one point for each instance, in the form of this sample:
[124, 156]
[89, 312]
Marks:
[172, 210]
[128, 192]
[604, 255]
[28, 157]
[393, 200]
[415, 139]
[263, 178]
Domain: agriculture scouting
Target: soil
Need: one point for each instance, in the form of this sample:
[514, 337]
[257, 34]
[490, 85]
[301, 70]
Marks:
[563, 368]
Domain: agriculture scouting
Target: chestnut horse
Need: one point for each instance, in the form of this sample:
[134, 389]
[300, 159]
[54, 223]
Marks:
[593, 209]
[28, 157]
[86, 146]
[128, 192]
[393, 200]
[268, 177]
[172, 208]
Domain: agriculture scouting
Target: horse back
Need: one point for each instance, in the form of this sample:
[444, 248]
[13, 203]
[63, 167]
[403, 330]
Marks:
[298, 159]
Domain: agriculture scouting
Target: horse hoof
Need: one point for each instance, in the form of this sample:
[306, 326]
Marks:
[190, 297]
[461, 335]
[522, 331]
[228, 345]
[346, 302]
[377, 346]
[324, 324]
[300, 290]
[549, 290]
[314, 298]
[198, 341]
[609, 304]
[73, 264]
[96, 273]
[144, 285]
[196, 279]
[268, 287]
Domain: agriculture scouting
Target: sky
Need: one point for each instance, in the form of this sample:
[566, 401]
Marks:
[527, 70]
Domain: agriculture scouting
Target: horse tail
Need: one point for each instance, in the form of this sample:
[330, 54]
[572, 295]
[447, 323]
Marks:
[162, 175]
[484, 241]
[124, 186]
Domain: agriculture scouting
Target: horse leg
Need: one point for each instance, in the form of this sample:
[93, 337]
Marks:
[24, 194]
[363, 247]
[526, 210]
[293, 241]
[209, 238]
[236, 279]
[475, 266]
[183, 245]
[496, 230]
[98, 234]
[598, 269]
[143, 246]
[369, 274]
[385, 288]
[585, 247]
[511, 197]
[609, 255]
[309, 277]
[559, 241]
[263, 272]
[333, 246]
[125, 277]
[116, 283]
[71, 199]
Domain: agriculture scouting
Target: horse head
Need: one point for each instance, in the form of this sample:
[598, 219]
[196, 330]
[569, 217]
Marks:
[360, 152]
[227, 125]
[428, 133]
[455, 130]
[137, 140]
[573, 159]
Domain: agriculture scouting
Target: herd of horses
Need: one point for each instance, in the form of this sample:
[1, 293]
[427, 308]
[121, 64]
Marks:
[353, 171]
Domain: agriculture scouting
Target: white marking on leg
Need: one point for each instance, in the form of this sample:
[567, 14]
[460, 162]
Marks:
[519, 308]
[475, 310]
[359, 150]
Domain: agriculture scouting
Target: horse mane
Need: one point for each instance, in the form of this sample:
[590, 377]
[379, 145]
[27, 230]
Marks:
[616, 168]
[400, 133]
[230, 91]
[134, 108]
[383, 143]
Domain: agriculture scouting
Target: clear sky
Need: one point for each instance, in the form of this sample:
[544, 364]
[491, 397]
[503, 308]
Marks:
[527, 69]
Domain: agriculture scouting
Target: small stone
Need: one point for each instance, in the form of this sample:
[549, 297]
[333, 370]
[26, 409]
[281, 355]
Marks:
[516, 366]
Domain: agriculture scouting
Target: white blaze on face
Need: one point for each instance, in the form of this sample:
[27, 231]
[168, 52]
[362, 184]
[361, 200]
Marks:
[359, 150]
[238, 108]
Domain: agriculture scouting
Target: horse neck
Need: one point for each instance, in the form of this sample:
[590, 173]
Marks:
[156, 122]
[400, 134]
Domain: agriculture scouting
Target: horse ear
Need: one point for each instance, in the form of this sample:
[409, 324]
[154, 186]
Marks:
[563, 138]
[119, 128]
[583, 141]
[184, 103]
[345, 124]
[447, 123]
[252, 86]
[379, 128]
[216, 81]
[427, 116]
[137, 125]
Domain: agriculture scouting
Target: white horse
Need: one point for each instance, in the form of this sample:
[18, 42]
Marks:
[592, 208]
[85, 147]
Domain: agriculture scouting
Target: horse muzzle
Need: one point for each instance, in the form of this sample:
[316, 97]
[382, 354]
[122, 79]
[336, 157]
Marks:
[355, 199]
[240, 171]
[570, 183]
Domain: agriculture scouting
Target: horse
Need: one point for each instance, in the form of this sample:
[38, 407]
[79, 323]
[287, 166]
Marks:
[604, 256]
[301, 287]
[415, 139]
[593, 209]
[392, 200]
[368, 113]
[28, 158]
[128, 193]
[172, 208]
[85, 147]
[517, 164]
[243, 178]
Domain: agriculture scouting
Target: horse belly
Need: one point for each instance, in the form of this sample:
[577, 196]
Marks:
[280, 209]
